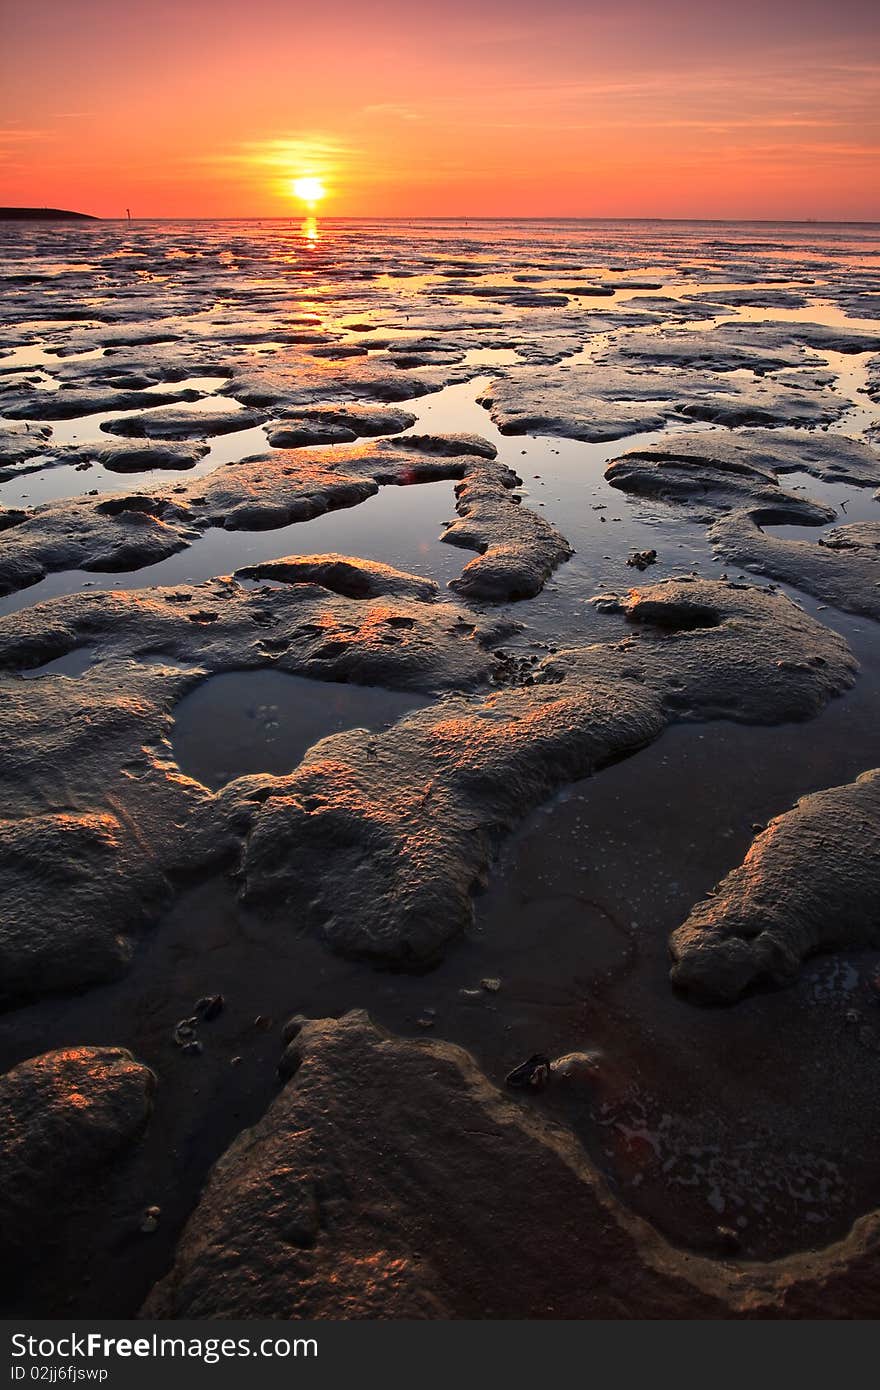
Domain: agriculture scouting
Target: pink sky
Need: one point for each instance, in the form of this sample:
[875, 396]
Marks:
[638, 108]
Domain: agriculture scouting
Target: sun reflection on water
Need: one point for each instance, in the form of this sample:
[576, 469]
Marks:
[310, 232]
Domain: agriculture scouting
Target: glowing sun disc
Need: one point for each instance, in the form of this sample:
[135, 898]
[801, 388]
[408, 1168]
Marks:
[309, 190]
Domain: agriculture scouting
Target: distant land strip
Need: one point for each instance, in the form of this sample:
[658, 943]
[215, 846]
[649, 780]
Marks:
[43, 215]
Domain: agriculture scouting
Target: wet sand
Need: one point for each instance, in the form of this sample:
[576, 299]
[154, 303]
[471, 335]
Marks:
[756, 1118]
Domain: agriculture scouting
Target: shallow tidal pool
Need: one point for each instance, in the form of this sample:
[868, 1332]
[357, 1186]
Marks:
[243, 722]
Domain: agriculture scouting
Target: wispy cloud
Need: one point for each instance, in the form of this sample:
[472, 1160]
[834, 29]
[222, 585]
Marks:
[13, 135]
[16, 142]
[337, 160]
[299, 154]
[818, 93]
[390, 109]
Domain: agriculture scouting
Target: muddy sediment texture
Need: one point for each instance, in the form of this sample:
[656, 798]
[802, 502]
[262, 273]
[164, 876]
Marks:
[342, 575]
[607, 401]
[108, 533]
[841, 567]
[251, 374]
[569, 407]
[713, 649]
[720, 470]
[808, 884]
[835, 458]
[519, 549]
[757, 347]
[707, 485]
[115, 532]
[97, 816]
[296, 383]
[170, 423]
[737, 475]
[77, 888]
[327, 424]
[136, 456]
[294, 1223]
[64, 1117]
[313, 624]
[18, 444]
[415, 813]
[70, 404]
[410, 816]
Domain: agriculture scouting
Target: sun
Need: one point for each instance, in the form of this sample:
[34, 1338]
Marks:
[308, 190]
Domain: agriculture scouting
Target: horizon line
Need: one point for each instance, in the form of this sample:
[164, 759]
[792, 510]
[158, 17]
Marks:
[477, 217]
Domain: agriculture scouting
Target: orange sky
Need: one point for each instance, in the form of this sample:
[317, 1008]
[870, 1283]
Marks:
[676, 108]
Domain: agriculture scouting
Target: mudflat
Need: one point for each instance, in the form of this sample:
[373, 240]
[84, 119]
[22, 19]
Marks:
[438, 680]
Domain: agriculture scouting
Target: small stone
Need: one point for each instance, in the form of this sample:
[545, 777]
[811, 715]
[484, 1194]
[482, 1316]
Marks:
[579, 1066]
[531, 1075]
[728, 1238]
[210, 1006]
[184, 1030]
[150, 1220]
[641, 559]
[606, 603]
